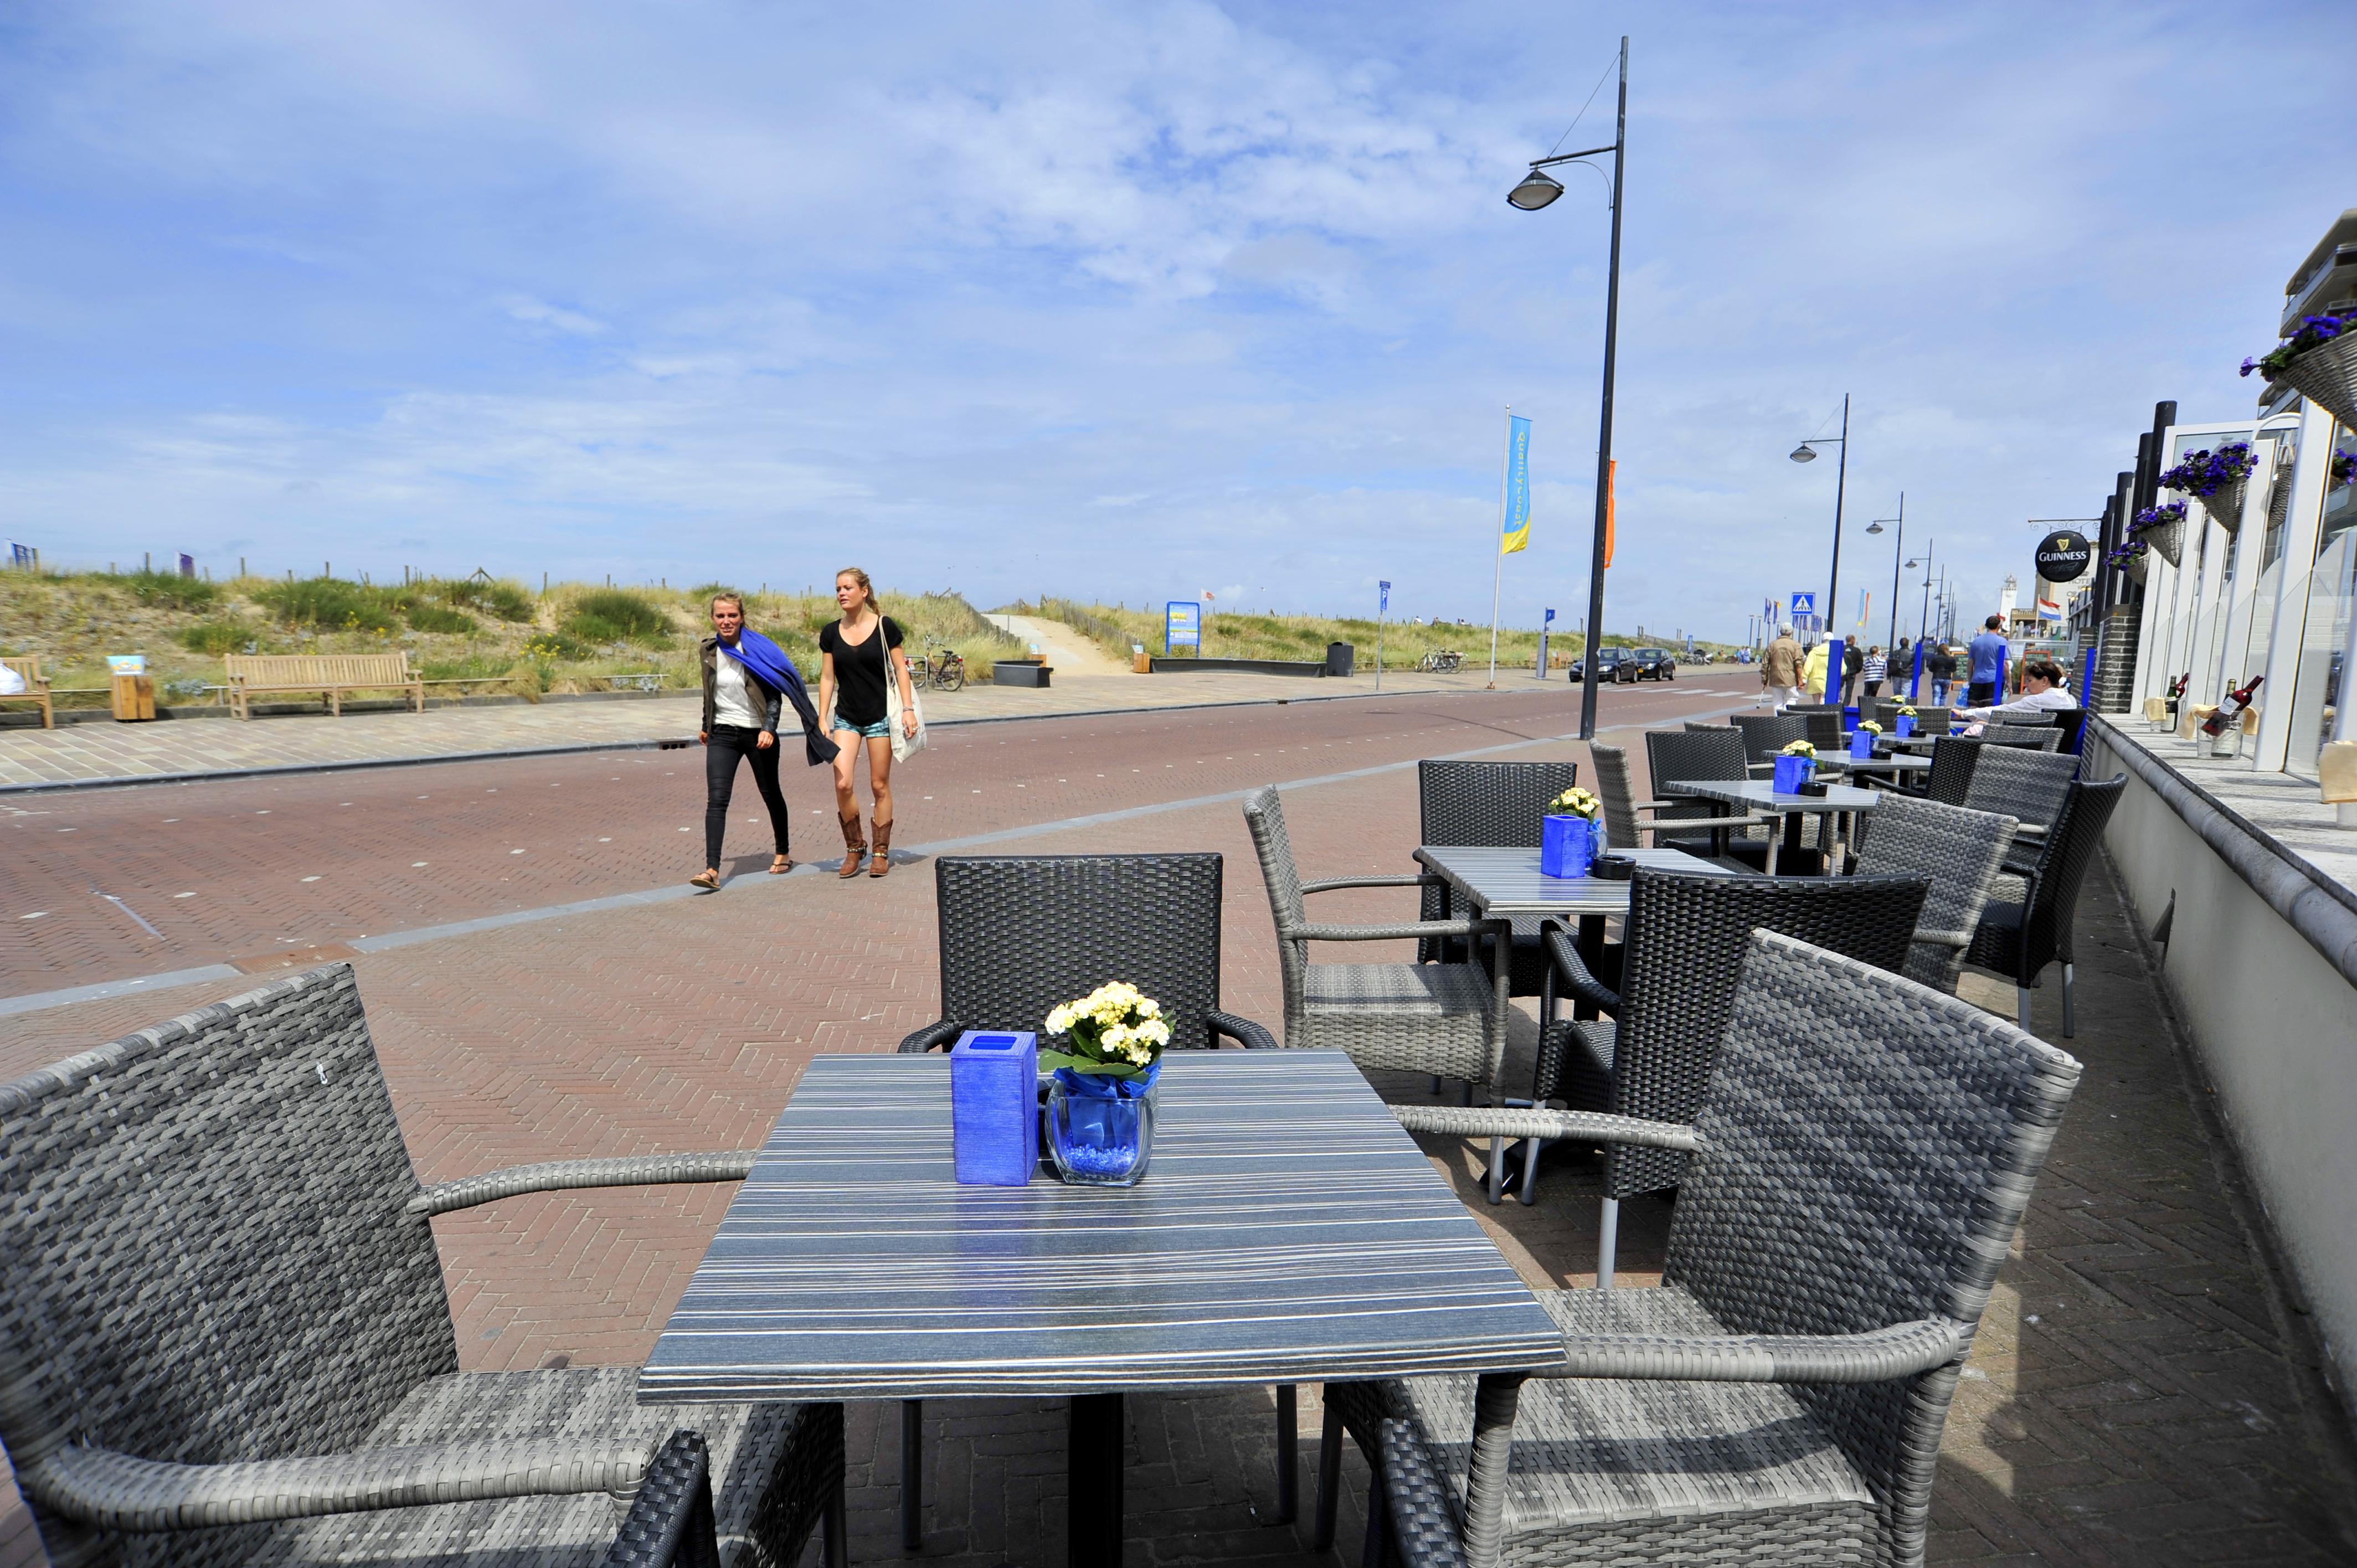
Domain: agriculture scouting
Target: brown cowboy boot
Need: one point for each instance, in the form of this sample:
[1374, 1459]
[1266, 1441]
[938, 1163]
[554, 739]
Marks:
[883, 860]
[854, 847]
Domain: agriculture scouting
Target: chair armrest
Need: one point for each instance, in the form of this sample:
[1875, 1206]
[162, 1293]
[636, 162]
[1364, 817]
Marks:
[1488, 1121]
[1944, 939]
[1420, 879]
[1876, 1355]
[1244, 1031]
[1405, 929]
[932, 1037]
[116, 1491]
[670, 1523]
[1571, 971]
[558, 1176]
[1423, 1522]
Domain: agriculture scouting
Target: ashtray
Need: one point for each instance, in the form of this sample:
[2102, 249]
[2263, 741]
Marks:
[1613, 868]
[1813, 788]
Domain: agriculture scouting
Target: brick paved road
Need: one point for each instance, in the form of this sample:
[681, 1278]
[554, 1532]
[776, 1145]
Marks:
[2137, 1400]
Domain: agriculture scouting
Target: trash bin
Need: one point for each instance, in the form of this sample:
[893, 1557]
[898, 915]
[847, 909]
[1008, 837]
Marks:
[1340, 656]
[135, 697]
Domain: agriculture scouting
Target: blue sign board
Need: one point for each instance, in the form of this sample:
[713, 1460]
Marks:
[1384, 596]
[1804, 604]
[1550, 619]
[1182, 625]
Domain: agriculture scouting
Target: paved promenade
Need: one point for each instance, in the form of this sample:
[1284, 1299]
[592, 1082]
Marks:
[105, 750]
[2136, 1396]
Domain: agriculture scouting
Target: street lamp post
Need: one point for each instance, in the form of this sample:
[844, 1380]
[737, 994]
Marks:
[1536, 190]
[1806, 453]
[1897, 548]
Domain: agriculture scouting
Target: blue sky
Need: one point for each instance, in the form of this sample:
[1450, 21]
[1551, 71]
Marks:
[1125, 302]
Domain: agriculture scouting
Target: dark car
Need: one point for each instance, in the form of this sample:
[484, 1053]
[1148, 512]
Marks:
[1655, 664]
[1617, 665]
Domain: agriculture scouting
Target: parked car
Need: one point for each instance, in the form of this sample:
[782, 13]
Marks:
[1655, 664]
[1615, 665]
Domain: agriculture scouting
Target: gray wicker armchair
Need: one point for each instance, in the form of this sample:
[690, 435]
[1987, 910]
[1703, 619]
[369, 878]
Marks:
[2030, 920]
[1685, 938]
[1624, 815]
[1764, 736]
[225, 1338]
[1960, 851]
[2028, 786]
[1673, 756]
[2030, 737]
[1444, 1019]
[1860, 1166]
[1491, 804]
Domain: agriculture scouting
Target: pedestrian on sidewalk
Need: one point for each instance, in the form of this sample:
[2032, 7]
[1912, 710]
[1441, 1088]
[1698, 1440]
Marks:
[1877, 667]
[1989, 656]
[1853, 663]
[1779, 671]
[1814, 672]
[747, 680]
[864, 687]
[1940, 669]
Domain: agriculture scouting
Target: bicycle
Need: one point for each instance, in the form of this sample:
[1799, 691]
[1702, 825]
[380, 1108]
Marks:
[943, 669]
[1440, 662]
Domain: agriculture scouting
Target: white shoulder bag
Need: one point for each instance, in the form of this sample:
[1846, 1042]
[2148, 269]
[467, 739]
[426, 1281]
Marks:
[904, 745]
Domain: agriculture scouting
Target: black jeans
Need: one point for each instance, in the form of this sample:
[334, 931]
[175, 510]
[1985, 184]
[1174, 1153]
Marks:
[729, 743]
[1982, 695]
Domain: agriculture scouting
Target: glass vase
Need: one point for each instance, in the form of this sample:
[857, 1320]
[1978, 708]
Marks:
[1100, 1139]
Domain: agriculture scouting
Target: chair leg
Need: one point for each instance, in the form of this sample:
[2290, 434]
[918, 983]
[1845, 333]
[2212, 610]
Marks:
[1374, 1550]
[2069, 1032]
[1497, 1168]
[1288, 1455]
[833, 1550]
[1468, 1094]
[2022, 1006]
[1531, 1171]
[1608, 1242]
[1435, 1083]
[1330, 1478]
[912, 1475]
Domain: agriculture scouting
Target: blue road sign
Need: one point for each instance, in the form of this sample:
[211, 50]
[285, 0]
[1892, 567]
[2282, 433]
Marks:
[1384, 601]
[1550, 619]
[1804, 604]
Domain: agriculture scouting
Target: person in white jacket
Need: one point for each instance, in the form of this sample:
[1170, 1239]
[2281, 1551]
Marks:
[2042, 691]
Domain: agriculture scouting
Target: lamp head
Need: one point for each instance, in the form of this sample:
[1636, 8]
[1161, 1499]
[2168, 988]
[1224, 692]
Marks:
[1874, 527]
[1804, 453]
[1538, 189]
[1913, 565]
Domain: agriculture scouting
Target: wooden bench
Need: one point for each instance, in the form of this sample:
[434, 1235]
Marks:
[330, 674]
[36, 686]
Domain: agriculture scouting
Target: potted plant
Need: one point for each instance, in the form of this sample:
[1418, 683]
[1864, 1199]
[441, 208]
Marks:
[2219, 479]
[1573, 834]
[2344, 468]
[2319, 362]
[2163, 528]
[2130, 559]
[1905, 715]
[1862, 739]
[1795, 766]
[1106, 1054]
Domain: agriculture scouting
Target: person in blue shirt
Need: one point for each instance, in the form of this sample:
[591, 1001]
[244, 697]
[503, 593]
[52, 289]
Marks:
[1988, 651]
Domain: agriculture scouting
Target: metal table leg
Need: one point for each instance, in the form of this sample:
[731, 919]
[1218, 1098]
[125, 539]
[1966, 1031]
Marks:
[1092, 1506]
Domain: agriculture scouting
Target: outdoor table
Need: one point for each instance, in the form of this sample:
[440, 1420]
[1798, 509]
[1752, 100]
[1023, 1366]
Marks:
[1287, 1230]
[1761, 795]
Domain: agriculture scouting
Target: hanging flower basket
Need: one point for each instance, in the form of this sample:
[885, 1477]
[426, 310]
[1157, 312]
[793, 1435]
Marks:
[2132, 559]
[2162, 528]
[2319, 362]
[2219, 480]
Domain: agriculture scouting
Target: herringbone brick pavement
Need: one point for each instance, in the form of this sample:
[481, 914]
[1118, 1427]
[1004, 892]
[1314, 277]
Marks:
[2137, 1395]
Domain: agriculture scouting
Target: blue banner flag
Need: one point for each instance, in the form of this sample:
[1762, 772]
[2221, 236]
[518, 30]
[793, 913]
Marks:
[1384, 590]
[1516, 532]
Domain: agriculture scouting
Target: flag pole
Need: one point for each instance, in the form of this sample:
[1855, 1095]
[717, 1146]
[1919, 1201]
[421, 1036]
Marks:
[1498, 545]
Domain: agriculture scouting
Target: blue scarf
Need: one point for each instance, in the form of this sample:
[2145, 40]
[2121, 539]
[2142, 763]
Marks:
[766, 659]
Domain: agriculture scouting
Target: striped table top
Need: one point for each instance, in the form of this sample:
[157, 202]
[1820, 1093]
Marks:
[1760, 793]
[1502, 883]
[1288, 1230]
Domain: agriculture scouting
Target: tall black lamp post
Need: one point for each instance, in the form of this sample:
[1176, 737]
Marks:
[1897, 548]
[1806, 452]
[1536, 190]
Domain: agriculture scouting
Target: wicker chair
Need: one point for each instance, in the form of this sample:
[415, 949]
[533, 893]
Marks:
[2031, 738]
[1684, 947]
[1494, 804]
[1951, 778]
[1860, 1166]
[1444, 1019]
[1763, 738]
[1960, 851]
[1824, 729]
[2028, 786]
[225, 1338]
[1023, 934]
[1624, 814]
[2071, 725]
[1716, 756]
[2028, 921]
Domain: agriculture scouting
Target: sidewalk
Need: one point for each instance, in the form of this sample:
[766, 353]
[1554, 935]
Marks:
[87, 751]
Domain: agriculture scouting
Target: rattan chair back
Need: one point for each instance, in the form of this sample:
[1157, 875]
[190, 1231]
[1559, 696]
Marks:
[2028, 786]
[1765, 735]
[1022, 934]
[1951, 777]
[1687, 934]
[1673, 754]
[205, 1255]
[1868, 1149]
[1500, 805]
[2020, 944]
[1265, 816]
[1928, 720]
[1960, 851]
[1622, 828]
[2030, 737]
[1824, 729]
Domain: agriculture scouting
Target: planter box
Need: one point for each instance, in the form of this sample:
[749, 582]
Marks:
[1237, 667]
[1019, 672]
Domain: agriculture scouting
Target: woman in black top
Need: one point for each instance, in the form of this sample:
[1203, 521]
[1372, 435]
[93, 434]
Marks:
[860, 655]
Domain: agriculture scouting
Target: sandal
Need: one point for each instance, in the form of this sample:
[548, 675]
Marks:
[707, 880]
[779, 866]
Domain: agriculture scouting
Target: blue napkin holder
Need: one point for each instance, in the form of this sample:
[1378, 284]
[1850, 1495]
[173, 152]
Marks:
[1861, 746]
[1906, 726]
[995, 1106]
[1791, 772]
[1567, 845]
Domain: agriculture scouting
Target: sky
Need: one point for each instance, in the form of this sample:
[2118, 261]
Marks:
[1130, 302]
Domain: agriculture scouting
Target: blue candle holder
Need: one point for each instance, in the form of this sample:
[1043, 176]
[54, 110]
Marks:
[1861, 746]
[1568, 846]
[1791, 772]
[1101, 1128]
[994, 1107]
[1906, 726]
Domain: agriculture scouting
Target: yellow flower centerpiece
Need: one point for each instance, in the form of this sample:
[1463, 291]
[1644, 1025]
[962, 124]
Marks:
[1107, 1057]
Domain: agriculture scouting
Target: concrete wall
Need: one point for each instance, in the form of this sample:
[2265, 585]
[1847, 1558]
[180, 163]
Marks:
[2272, 1017]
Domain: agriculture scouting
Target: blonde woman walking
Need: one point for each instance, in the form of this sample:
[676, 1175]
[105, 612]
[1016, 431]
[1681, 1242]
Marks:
[861, 670]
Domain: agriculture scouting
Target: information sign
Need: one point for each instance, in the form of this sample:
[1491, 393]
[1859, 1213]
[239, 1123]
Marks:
[2065, 556]
[1182, 625]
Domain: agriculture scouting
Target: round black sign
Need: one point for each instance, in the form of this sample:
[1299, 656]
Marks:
[2064, 556]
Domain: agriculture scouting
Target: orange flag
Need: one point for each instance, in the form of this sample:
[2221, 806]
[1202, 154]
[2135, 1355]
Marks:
[1611, 506]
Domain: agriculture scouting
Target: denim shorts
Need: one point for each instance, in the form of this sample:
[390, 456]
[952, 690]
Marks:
[880, 730]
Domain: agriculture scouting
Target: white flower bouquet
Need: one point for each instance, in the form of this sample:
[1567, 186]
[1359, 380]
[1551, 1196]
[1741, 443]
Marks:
[1115, 1031]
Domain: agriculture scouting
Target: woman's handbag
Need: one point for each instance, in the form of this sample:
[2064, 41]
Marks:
[904, 745]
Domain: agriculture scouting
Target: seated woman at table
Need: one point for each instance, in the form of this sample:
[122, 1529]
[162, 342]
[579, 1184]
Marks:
[2042, 691]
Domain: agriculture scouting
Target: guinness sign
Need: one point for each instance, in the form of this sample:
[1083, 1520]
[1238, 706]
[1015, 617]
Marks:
[2064, 556]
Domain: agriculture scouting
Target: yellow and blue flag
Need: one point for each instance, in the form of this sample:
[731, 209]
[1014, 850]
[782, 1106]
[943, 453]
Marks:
[1516, 533]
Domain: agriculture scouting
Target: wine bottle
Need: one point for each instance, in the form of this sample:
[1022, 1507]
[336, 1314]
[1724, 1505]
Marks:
[2230, 708]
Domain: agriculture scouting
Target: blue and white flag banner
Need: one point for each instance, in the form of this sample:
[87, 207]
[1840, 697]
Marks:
[1516, 532]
